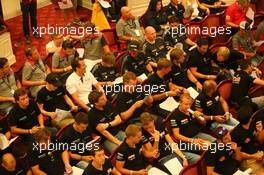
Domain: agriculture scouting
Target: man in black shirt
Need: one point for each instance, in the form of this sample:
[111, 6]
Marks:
[175, 9]
[52, 97]
[246, 136]
[156, 134]
[222, 158]
[242, 82]
[154, 48]
[200, 62]
[131, 153]
[180, 73]
[135, 60]
[105, 121]
[100, 165]
[44, 159]
[105, 71]
[187, 126]
[79, 134]
[25, 118]
[129, 102]
[214, 106]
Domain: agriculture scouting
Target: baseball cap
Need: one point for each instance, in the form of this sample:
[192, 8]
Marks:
[54, 79]
[133, 45]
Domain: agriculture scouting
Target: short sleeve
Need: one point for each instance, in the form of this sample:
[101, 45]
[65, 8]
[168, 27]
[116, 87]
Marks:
[235, 42]
[210, 159]
[12, 121]
[173, 122]
[71, 86]
[41, 97]
[94, 81]
[103, 41]
[120, 29]
[194, 62]
[121, 155]
[27, 71]
[55, 60]
[95, 71]
[198, 102]
[33, 158]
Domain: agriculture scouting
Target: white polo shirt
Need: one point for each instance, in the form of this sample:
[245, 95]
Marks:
[74, 84]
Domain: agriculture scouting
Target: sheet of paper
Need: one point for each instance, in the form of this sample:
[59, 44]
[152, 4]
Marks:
[4, 142]
[250, 14]
[174, 166]
[104, 4]
[118, 80]
[77, 171]
[66, 5]
[80, 52]
[239, 172]
[192, 92]
[143, 77]
[61, 114]
[156, 171]
[169, 104]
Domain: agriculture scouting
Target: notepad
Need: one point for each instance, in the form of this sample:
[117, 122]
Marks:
[156, 171]
[4, 142]
[143, 77]
[174, 166]
[192, 92]
[104, 4]
[77, 171]
[169, 104]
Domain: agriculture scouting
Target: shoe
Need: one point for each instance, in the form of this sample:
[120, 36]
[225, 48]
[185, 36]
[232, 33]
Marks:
[27, 40]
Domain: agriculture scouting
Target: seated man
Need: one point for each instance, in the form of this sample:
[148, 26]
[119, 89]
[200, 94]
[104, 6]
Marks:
[100, 164]
[61, 60]
[161, 88]
[105, 121]
[187, 126]
[34, 71]
[154, 48]
[25, 118]
[180, 74]
[236, 13]
[52, 97]
[222, 159]
[55, 44]
[214, 106]
[200, 62]
[11, 166]
[156, 134]
[79, 83]
[43, 160]
[247, 137]
[79, 133]
[135, 60]
[130, 154]
[242, 82]
[8, 84]
[215, 6]
[129, 102]
[106, 72]
[175, 35]
[175, 8]
[128, 27]
[243, 41]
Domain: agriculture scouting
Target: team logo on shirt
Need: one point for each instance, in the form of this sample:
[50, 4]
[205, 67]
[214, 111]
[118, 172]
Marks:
[120, 156]
[247, 140]
[217, 98]
[173, 123]
[236, 80]
[23, 118]
[132, 157]
[209, 103]
[184, 121]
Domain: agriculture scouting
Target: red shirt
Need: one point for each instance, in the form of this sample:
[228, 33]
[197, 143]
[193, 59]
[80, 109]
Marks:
[236, 14]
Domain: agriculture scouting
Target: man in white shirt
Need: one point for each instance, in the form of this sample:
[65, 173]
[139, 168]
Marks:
[79, 83]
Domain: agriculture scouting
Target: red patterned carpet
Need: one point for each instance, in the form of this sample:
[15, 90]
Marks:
[46, 15]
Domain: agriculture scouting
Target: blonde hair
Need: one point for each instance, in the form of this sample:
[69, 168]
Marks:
[223, 51]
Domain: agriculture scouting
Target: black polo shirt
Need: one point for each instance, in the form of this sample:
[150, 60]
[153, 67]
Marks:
[133, 158]
[102, 73]
[107, 169]
[164, 149]
[4, 127]
[52, 100]
[222, 160]
[172, 37]
[155, 51]
[125, 100]
[49, 161]
[177, 11]
[20, 169]
[210, 105]
[188, 125]
[106, 115]
[136, 65]
[72, 137]
[245, 138]
[240, 85]
[24, 118]
[155, 19]
[178, 75]
[202, 62]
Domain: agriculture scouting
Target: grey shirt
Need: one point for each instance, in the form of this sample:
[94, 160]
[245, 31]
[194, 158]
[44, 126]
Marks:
[244, 42]
[61, 62]
[129, 28]
[34, 72]
[260, 31]
[7, 88]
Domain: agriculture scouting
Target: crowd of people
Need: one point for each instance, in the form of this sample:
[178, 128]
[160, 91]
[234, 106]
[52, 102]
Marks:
[93, 116]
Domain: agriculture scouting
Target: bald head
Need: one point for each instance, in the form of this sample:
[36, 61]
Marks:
[209, 86]
[9, 162]
[125, 12]
[150, 33]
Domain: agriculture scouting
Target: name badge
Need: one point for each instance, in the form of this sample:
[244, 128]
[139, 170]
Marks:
[12, 91]
[137, 32]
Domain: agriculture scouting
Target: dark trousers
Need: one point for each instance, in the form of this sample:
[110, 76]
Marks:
[32, 10]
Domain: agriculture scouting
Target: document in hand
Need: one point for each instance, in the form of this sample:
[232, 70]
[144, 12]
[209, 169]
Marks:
[4, 142]
[192, 92]
[156, 171]
[169, 104]
[174, 166]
